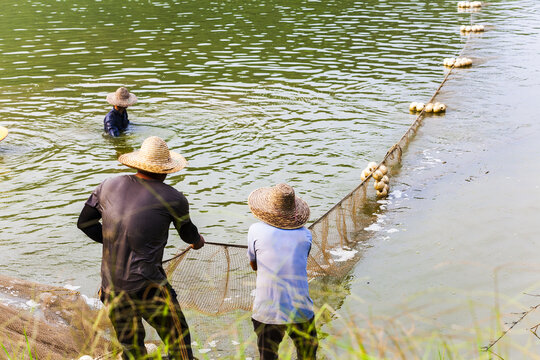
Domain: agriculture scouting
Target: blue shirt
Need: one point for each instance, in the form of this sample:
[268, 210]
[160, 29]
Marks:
[282, 295]
[115, 122]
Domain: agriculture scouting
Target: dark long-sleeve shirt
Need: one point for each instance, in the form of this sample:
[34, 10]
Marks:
[135, 217]
[115, 122]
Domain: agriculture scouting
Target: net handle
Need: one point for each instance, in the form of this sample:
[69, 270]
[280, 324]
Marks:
[230, 245]
[206, 242]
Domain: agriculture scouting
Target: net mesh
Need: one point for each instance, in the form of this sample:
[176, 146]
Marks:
[217, 278]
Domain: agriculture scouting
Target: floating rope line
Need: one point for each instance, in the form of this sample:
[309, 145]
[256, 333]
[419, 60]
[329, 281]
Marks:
[217, 278]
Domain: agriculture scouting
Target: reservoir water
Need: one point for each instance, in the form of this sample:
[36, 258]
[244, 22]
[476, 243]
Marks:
[254, 93]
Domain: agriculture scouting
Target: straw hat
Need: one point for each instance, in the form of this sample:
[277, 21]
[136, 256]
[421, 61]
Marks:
[3, 133]
[155, 157]
[279, 207]
[121, 97]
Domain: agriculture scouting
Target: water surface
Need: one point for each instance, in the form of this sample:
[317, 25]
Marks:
[254, 93]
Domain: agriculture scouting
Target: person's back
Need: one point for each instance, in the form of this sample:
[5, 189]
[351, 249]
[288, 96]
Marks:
[282, 294]
[278, 249]
[136, 216]
[136, 212]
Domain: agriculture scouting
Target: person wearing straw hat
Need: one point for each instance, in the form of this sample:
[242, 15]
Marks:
[116, 120]
[278, 249]
[136, 212]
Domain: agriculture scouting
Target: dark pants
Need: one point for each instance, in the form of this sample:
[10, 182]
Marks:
[158, 306]
[269, 336]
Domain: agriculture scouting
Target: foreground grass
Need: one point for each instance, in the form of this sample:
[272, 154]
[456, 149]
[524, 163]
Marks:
[341, 337]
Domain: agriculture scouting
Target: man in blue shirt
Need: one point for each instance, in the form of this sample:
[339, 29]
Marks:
[278, 249]
[116, 120]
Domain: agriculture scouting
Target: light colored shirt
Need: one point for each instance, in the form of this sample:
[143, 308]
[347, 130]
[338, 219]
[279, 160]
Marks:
[282, 295]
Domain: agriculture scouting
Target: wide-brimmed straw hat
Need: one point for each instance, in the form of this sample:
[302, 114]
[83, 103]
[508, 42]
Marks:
[155, 157]
[3, 133]
[121, 97]
[279, 206]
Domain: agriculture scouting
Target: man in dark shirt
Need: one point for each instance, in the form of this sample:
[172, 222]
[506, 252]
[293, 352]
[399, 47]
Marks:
[116, 120]
[136, 212]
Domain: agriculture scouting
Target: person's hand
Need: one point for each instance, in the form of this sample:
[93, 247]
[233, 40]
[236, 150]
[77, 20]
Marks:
[199, 244]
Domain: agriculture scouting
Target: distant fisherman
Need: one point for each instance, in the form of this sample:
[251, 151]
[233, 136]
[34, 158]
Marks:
[278, 249]
[116, 120]
[136, 212]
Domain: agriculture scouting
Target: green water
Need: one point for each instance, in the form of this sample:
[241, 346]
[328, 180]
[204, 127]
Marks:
[252, 93]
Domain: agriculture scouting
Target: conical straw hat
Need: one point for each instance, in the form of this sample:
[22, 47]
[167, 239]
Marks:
[155, 157]
[3, 133]
[279, 206]
[121, 97]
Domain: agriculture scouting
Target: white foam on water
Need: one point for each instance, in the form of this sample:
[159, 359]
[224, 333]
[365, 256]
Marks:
[342, 254]
[373, 227]
[71, 287]
[393, 230]
[32, 304]
[92, 302]
[204, 351]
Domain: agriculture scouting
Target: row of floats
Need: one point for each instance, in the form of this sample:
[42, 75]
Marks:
[380, 172]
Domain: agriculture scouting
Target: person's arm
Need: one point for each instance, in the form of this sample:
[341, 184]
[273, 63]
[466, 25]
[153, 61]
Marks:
[251, 250]
[110, 127]
[89, 223]
[126, 120]
[189, 233]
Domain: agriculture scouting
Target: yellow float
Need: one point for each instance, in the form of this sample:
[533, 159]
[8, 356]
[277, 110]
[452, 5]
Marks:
[3, 133]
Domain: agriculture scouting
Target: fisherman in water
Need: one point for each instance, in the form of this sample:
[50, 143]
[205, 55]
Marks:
[136, 212]
[116, 120]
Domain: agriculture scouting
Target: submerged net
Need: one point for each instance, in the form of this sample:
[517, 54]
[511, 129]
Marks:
[217, 278]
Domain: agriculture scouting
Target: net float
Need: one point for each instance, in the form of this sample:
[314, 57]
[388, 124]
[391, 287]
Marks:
[462, 28]
[372, 166]
[429, 108]
[383, 192]
[439, 107]
[3, 133]
[379, 185]
[385, 179]
[383, 169]
[412, 107]
[449, 62]
[420, 106]
[365, 174]
[377, 175]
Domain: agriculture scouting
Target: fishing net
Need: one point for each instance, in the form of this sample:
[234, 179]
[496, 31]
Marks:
[48, 322]
[217, 278]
